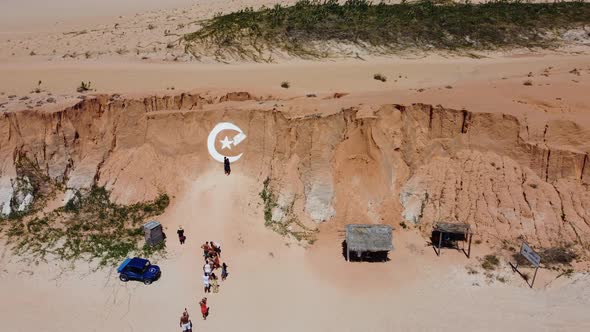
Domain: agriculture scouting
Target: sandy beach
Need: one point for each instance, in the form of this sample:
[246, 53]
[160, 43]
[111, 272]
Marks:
[276, 283]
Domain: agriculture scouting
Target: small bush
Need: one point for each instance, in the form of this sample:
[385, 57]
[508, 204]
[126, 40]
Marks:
[490, 262]
[557, 255]
[285, 85]
[380, 77]
[84, 87]
[568, 272]
[38, 88]
[528, 83]
[151, 26]
[403, 224]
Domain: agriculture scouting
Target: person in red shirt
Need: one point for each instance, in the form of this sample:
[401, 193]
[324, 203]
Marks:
[216, 263]
[206, 249]
[204, 308]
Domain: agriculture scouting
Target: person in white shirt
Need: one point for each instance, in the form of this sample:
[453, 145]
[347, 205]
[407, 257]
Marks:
[206, 283]
[207, 268]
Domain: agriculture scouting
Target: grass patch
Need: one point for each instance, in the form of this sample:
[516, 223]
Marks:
[558, 255]
[90, 226]
[289, 225]
[562, 255]
[490, 262]
[308, 29]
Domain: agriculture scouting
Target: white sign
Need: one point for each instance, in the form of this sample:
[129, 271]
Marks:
[226, 143]
[530, 255]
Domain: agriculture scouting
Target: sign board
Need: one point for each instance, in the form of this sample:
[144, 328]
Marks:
[530, 255]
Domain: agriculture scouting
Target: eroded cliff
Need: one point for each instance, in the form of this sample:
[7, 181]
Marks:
[416, 163]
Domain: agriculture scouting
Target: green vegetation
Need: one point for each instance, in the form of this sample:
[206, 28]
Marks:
[310, 29]
[490, 262]
[84, 87]
[89, 226]
[289, 224]
[558, 255]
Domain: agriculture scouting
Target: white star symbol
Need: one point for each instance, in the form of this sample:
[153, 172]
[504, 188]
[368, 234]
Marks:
[226, 143]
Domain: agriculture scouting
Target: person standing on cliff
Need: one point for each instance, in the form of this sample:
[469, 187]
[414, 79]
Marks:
[226, 166]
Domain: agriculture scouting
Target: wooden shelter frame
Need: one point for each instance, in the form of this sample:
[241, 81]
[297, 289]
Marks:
[453, 228]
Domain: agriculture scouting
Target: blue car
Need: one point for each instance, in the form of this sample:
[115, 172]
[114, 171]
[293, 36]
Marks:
[139, 269]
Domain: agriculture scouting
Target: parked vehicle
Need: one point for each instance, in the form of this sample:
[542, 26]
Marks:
[138, 269]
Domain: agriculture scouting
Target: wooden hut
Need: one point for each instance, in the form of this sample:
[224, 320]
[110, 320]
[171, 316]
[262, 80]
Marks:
[368, 238]
[449, 235]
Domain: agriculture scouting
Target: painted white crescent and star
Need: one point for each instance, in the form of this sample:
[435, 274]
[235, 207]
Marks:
[226, 143]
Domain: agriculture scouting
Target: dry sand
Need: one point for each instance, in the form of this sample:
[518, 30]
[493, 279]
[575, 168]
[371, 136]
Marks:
[273, 286]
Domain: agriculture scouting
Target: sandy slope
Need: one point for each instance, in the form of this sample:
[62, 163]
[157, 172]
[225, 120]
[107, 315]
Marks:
[274, 287]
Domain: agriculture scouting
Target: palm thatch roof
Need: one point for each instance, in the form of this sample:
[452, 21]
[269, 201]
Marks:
[368, 237]
[447, 227]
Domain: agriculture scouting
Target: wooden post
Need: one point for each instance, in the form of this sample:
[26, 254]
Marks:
[469, 249]
[534, 276]
[440, 236]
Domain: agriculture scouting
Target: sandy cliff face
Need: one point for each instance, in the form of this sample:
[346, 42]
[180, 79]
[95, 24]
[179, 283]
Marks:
[416, 163]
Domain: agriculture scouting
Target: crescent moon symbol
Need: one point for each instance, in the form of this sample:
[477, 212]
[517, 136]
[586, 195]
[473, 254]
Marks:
[211, 141]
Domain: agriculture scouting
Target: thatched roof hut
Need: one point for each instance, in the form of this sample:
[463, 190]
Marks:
[368, 238]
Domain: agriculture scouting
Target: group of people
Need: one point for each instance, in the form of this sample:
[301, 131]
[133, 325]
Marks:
[212, 253]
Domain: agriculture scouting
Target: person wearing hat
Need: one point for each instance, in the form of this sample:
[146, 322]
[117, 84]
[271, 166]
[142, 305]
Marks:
[181, 236]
